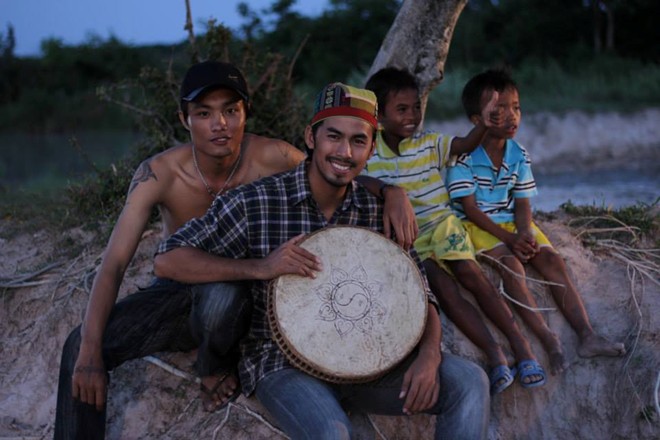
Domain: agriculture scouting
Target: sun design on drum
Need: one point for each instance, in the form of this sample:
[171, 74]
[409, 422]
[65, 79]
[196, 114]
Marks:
[350, 301]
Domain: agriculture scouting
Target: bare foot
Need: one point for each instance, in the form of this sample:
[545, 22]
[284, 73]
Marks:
[216, 391]
[558, 362]
[596, 345]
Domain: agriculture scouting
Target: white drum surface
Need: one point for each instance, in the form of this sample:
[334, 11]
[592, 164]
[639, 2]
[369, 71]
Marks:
[362, 314]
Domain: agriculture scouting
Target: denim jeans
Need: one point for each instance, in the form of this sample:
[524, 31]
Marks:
[166, 316]
[309, 408]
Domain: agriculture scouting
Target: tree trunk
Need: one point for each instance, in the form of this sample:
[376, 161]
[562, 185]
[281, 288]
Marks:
[609, 36]
[595, 13]
[419, 39]
[600, 8]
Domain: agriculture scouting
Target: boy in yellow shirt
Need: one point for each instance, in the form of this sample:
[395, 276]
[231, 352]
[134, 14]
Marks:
[414, 160]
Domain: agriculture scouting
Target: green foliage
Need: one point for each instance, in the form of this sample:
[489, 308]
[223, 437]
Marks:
[595, 83]
[288, 57]
[549, 45]
[343, 39]
[100, 197]
[513, 31]
[648, 413]
[636, 27]
[153, 99]
[67, 77]
[33, 211]
[8, 68]
[626, 224]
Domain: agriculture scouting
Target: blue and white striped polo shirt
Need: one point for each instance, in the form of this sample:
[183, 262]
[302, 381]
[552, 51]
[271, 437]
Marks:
[494, 190]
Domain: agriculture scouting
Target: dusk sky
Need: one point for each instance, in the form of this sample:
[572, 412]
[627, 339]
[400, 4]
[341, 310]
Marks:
[132, 21]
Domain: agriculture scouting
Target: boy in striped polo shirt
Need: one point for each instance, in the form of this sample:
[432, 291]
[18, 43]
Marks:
[490, 190]
[414, 161]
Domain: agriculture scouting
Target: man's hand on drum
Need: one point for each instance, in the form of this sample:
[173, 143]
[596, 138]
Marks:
[421, 384]
[290, 259]
[399, 216]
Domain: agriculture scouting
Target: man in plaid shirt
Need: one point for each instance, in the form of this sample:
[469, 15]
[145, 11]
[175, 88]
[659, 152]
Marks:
[253, 232]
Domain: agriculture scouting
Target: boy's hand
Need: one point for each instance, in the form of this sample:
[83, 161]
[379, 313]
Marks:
[530, 238]
[491, 114]
[523, 246]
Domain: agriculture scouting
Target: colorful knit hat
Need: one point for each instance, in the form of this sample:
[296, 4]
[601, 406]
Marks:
[338, 99]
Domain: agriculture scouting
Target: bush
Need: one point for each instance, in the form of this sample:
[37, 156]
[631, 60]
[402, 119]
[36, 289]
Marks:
[603, 83]
[152, 98]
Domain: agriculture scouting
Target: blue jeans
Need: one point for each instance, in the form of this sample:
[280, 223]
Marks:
[166, 316]
[309, 408]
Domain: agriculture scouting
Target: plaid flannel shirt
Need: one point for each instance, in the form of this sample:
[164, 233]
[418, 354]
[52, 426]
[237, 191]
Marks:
[251, 222]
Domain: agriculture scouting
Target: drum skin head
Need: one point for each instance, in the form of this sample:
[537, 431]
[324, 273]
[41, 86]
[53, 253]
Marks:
[362, 315]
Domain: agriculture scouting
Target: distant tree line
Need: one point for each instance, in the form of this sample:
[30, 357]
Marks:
[339, 44]
[346, 37]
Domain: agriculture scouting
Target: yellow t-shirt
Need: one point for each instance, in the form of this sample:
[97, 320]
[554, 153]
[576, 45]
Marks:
[417, 169]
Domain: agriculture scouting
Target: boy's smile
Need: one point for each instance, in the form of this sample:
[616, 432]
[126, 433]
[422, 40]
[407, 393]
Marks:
[401, 116]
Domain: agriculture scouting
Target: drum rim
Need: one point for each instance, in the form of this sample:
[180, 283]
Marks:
[296, 359]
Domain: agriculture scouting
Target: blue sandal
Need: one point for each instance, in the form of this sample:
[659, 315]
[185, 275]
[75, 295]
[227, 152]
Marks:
[530, 368]
[501, 377]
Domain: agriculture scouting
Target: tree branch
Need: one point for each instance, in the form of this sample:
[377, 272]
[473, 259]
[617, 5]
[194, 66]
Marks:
[191, 34]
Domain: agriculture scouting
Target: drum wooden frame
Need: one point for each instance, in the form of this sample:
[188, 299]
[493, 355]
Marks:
[362, 315]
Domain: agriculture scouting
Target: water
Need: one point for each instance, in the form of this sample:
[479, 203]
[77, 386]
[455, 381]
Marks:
[38, 161]
[561, 143]
[597, 188]
[35, 161]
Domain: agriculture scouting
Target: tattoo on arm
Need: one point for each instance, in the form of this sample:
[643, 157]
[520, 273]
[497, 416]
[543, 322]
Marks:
[284, 150]
[142, 174]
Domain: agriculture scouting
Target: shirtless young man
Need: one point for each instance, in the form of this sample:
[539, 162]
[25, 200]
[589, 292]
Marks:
[181, 182]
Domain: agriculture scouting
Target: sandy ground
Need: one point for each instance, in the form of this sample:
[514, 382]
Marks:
[602, 398]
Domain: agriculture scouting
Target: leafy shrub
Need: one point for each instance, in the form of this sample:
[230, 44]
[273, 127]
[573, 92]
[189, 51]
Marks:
[628, 224]
[152, 98]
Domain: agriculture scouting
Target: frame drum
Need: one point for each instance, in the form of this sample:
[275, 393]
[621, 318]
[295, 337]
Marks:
[362, 315]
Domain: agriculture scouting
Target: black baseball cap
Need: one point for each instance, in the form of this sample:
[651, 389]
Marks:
[211, 74]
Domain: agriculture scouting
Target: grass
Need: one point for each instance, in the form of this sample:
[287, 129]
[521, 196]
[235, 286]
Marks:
[30, 211]
[604, 83]
[51, 214]
[40, 207]
[628, 235]
[629, 225]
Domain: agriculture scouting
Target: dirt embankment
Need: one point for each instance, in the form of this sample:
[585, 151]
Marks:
[599, 398]
[595, 398]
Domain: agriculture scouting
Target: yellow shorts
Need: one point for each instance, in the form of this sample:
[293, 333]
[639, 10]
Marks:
[447, 241]
[483, 241]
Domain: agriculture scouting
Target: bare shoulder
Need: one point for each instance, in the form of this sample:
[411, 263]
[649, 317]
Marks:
[160, 169]
[271, 155]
